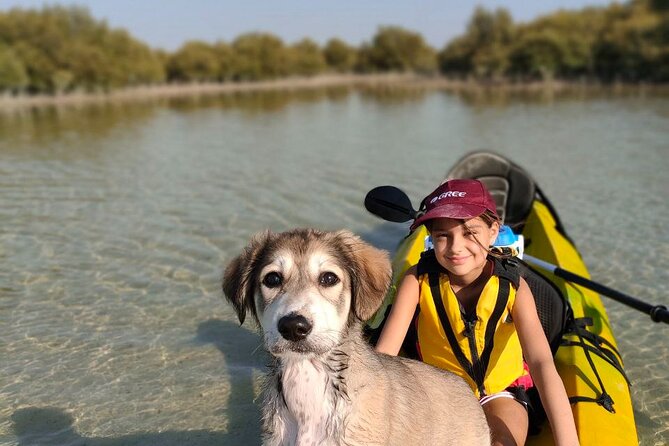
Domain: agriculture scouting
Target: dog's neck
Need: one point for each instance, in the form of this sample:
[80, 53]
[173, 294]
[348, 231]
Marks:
[314, 391]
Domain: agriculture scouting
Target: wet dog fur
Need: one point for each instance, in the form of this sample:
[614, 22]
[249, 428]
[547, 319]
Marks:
[310, 292]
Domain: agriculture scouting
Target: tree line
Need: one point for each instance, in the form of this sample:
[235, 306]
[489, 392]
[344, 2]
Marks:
[60, 49]
[625, 42]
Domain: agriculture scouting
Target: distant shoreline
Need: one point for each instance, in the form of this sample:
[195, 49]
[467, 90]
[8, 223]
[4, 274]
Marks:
[383, 81]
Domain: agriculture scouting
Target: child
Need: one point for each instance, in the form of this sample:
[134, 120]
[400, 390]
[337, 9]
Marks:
[476, 316]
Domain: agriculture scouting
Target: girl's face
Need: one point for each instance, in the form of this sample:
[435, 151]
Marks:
[462, 248]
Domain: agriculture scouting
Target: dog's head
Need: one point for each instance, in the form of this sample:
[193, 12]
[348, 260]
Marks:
[304, 287]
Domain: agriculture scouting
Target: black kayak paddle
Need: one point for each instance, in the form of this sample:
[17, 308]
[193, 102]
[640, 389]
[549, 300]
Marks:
[390, 203]
[658, 313]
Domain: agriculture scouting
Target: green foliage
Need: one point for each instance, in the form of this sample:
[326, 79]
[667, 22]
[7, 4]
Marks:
[195, 61]
[538, 55]
[456, 57]
[13, 75]
[60, 49]
[483, 49]
[364, 59]
[656, 5]
[259, 56]
[134, 63]
[488, 28]
[226, 60]
[635, 46]
[397, 49]
[628, 42]
[38, 65]
[64, 48]
[61, 80]
[89, 65]
[339, 56]
[305, 58]
[559, 44]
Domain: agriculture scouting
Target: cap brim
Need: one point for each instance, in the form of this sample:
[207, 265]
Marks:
[459, 211]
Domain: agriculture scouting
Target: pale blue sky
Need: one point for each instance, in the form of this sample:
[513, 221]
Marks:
[168, 23]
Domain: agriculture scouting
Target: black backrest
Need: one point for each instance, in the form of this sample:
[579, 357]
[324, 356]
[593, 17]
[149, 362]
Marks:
[553, 309]
[510, 185]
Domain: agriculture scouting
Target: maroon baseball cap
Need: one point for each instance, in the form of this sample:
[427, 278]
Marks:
[461, 199]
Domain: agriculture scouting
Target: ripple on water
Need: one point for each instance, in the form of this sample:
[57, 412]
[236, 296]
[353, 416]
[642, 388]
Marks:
[117, 224]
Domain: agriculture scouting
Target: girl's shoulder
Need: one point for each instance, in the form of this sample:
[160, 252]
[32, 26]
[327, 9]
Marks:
[412, 271]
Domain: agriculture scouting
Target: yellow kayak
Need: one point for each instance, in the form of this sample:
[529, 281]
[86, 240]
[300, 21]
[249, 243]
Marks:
[587, 358]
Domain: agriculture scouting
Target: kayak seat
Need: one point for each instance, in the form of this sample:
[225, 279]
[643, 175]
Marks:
[553, 309]
[512, 188]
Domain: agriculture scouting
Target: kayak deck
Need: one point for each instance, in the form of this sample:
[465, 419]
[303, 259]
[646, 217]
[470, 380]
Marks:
[595, 425]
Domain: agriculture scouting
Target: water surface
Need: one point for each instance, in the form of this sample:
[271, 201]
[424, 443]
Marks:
[117, 221]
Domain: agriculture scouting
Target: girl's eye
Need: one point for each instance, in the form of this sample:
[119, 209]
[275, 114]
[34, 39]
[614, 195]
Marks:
[328, 279]
[272, 280]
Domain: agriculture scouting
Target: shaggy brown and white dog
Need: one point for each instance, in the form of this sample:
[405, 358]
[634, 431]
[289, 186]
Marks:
[310, 292]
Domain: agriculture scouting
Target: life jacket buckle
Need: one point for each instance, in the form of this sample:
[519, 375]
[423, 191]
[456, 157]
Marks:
[470, 324]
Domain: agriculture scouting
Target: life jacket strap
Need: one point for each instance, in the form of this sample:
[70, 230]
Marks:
[433, 279]
[491, 327]
[507, 268]
[478, 367]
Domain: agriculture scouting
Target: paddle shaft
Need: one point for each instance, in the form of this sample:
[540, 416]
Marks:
[658, 313]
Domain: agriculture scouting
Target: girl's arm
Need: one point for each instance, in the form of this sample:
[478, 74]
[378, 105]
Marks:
[538, 356]
[401, 313]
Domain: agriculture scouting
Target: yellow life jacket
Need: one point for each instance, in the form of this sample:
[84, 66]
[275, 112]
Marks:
[483, 348]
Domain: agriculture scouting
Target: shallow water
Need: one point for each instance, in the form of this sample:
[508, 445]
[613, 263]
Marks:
[118, 219]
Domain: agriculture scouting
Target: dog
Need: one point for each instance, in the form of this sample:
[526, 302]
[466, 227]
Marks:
[310, 292]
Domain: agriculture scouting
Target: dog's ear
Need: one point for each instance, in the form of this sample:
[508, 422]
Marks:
[238, 278]
[370, 275]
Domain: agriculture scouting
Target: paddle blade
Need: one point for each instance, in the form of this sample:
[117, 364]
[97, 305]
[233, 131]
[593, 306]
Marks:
[390, 203]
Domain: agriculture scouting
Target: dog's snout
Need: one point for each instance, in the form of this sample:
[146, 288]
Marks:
[294, 327]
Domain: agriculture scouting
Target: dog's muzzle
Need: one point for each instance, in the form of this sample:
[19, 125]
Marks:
[294, 327]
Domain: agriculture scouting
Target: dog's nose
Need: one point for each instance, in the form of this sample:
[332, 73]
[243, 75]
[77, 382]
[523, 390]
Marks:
[294, 327]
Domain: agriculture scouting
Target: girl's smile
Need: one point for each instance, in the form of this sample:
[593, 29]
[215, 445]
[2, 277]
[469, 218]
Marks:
[458, 260]
[462, 247]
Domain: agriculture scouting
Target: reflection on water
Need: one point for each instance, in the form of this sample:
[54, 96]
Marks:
[253, 102]
[41, 126]
[119, 217]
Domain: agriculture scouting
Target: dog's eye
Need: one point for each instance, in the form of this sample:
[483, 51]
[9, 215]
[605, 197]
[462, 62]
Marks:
[272, 280]
[328, 279]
